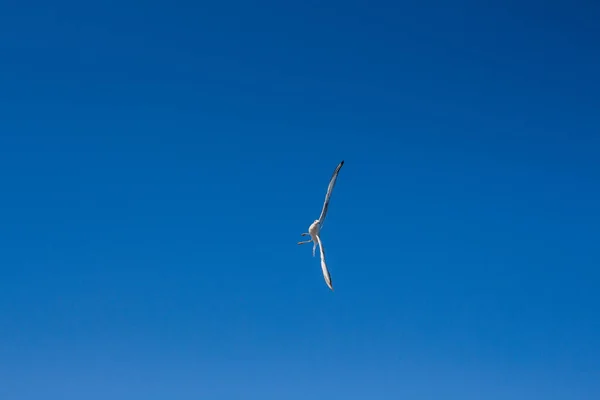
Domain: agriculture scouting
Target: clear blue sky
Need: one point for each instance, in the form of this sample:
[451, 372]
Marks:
[159, 160]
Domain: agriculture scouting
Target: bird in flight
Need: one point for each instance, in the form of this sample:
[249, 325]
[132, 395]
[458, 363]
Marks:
[314, 230]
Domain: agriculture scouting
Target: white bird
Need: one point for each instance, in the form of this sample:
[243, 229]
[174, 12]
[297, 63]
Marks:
[314, 230]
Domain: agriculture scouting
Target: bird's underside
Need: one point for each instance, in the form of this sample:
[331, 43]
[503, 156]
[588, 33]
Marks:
[314, 230]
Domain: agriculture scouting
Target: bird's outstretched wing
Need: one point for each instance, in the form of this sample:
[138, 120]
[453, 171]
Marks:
[324, 264]
[329, 190]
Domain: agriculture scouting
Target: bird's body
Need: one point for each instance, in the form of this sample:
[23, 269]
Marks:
[314, 230]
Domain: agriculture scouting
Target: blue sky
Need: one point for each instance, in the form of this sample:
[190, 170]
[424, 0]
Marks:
[159, 160]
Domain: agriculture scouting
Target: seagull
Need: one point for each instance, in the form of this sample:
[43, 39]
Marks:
[314, 230]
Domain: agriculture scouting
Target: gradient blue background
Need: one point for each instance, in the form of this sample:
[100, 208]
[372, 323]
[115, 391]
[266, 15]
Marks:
[158, 161]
